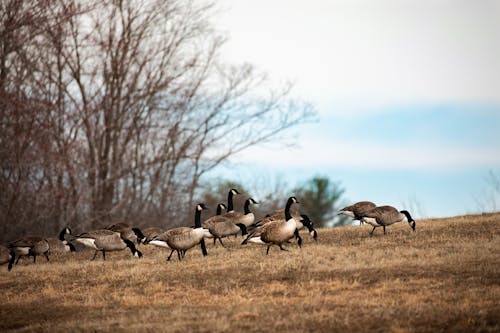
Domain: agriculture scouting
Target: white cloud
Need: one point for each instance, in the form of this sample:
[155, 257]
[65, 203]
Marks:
[372, 51]
[369, 155]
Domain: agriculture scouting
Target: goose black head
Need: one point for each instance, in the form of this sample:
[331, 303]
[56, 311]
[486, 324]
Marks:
[201, 206]
[220, 208]
[65, 231]
[411, 221]
[234, 191]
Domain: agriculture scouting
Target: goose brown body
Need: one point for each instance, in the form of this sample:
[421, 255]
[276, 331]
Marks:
[357, 210]
[182, 239]
[276, 232]
[247, 217]
[105, 241]
[383, 216]
[127, 232]
[30, 246]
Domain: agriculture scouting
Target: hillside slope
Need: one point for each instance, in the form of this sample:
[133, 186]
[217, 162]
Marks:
[444, 277]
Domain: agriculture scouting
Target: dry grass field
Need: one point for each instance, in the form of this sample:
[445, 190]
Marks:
[443, 278]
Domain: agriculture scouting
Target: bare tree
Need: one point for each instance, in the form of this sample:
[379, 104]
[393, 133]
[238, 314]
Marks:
[134, 108]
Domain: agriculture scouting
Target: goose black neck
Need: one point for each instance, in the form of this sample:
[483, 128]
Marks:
[289, 204]
[62, 233]
[219, 210]
[247, 207]
[130, 245]
[408, 216]
[138, 233]
[230, 201]
[197, 218]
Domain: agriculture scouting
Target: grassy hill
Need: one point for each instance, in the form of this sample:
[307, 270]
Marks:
[444, 277]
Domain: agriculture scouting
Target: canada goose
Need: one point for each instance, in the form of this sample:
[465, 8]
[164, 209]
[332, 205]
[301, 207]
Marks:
[211, 220]
[60, 245]
[247, 218]
[276, 232]
[6, 257]
[383, 216]
[150, 233]
[126, 232]
[220, 226]
[302, 221]
[29, 246]
[357, 210]
[182, 239]
[105, 240]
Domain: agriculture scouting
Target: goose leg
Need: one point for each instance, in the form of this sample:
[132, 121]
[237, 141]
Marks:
[267, 252]
[299, 239]
[103, 255]
[168, 259]
[220, 241]
[215, 240]
[179, 255]
[19, 257]
[384, 229]
[282, 248]
[46, 256]
[95, 255]
[34, 259]
[371, 233]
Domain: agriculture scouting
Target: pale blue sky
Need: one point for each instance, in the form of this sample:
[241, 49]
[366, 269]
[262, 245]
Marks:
[407, 93]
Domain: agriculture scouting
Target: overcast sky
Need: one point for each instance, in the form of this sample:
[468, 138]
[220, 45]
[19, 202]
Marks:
[407, 92]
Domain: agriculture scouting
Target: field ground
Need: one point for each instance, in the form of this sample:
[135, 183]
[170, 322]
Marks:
[443, 278]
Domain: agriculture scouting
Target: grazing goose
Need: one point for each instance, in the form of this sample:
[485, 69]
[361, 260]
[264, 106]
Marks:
[357, 210]
[58, 246]
[302, 221]
[383, 216]
[182, 239]
[247, 218]
[126, 232]
[220, 226]
[105, 241]
[6, 257]
[276, 232]
[29, 246]
[61, 245]
[150, 233]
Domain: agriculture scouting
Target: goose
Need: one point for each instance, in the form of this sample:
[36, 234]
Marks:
[276, 232]
[6, 257]
[302, 221]
[150, 233]
[182, 239]
[220, 226]
[247, 217]
[209, 222]
[126, 232]
[383, 216]
[29, 246]
[61, 245]
[105, 240]
[357, 210]
[58, 246]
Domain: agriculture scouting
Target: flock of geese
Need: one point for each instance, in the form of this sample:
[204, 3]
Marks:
[277, 228]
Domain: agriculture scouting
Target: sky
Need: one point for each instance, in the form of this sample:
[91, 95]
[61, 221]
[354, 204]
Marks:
[407, 94]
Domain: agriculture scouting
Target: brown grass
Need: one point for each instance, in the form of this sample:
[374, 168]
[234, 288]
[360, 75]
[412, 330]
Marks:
[444, 277]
